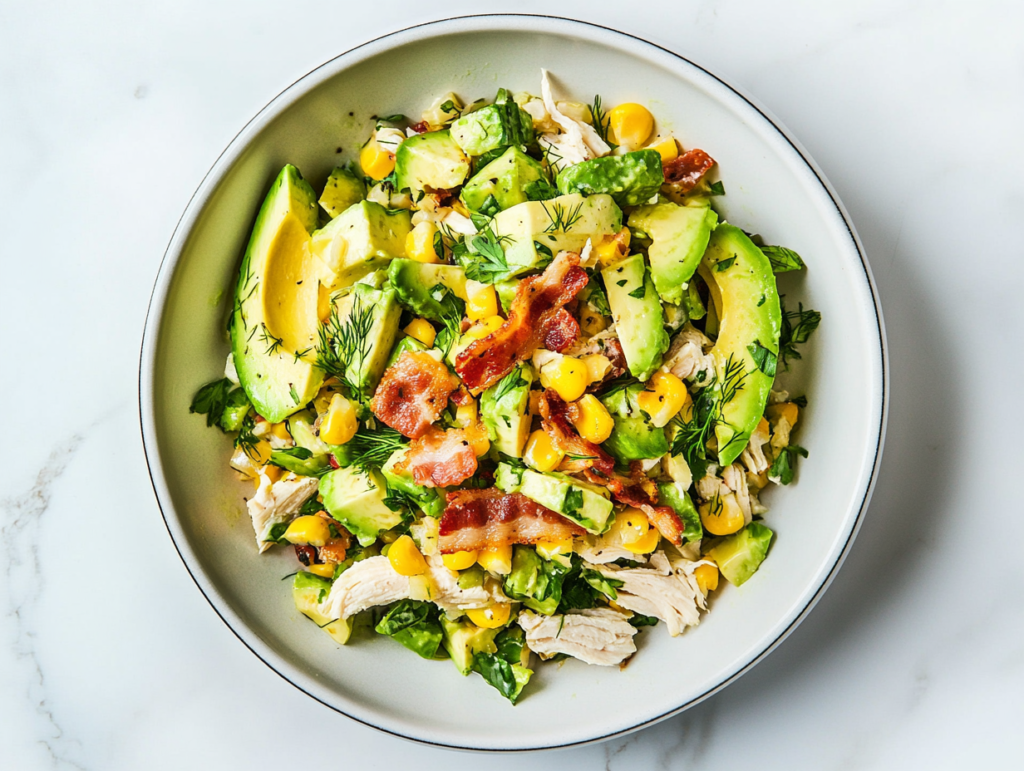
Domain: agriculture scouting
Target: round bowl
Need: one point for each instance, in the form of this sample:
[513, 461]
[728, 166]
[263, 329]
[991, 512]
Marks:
[773, 188]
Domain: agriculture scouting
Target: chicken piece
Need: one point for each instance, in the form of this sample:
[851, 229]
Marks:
[736, 480]
[659, 590]
[598, 636]
[710, 486]
[452, 598]
[578, 141]
[277, 502]
[753, 456]
[366, 584]
[686, 358]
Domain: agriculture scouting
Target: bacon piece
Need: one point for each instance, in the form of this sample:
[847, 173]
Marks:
[441, 458]
[557, 422]
[413, 392]
[538, 300]
[685, 171]
[420, 128]
[561, 332]
[640, 492]
[476, 519]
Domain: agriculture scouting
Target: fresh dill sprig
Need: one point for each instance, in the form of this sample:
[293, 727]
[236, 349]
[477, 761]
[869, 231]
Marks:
[345, 344]
[371, 448]
[247, 439]
[602, 123]
[561, 219]
[492, 267]
[274, 344]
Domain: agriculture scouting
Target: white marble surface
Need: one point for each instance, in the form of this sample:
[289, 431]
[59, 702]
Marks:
[109, 117]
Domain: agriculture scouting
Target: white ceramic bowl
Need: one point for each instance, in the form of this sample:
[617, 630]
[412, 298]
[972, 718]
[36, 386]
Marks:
[772, 188]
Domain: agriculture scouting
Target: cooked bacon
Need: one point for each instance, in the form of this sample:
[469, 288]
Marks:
[476, 519]
[640, 492]
[686, 171]
[334, 550]
[557, 422]
[420, 128]
[561, 332]
[441, 458]
[413, 392]
[538, 299]
[461, 396]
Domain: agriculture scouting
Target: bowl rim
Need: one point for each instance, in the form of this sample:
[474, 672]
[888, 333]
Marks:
[470, 23]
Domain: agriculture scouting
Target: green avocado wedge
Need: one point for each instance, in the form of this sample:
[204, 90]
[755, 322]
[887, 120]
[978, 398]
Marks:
[638, 315]
[742, 285]
[680, 235]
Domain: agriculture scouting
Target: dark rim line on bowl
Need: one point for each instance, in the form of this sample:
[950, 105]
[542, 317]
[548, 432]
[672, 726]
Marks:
[883, 415]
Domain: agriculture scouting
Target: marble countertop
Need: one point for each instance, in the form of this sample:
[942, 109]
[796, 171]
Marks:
[111, 114]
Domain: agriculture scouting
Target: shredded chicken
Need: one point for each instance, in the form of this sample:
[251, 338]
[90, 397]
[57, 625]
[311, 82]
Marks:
[710, 486]
[599, 636]
[601, 549]
[753, 456]
[686, 358]
[389, 139]
[453, 599]
[735, 478]
[588, 257]
[780, 436]
[578, 141]
[277, 502]
[595, 343]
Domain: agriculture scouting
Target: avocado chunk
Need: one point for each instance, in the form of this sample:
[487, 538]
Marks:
[740, 555]
[679, 236]
[497, 125]
[362, 239]
[371, 317]
[430, 499]
[631, 179]
[532, 233]
[405, 344]
[503, 411]
[435, 292]
[343, 189]
[464, 640]
[356, 499]
[510, 179]
[535, 582]
[432, 160]
[674, 495]
[274, 322]
[308, 591]
[300, 426]
[634, 438]
[637, 313]
[506, 292]
[742, 285]
[585, 504]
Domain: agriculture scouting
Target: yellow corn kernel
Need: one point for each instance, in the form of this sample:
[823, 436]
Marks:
[280, 430]
[496, 559]
[460, 560]
[405, 558]
[724, 518]
[308, 530]
[271, 472]
[666, 397]
[567, 376]
[597, 367]
[707, 577]
[541, 453]
[550, 549]
[419, 244]
[631, 125]
[377, 162]
[644, 545]
[591, 323]
[483, 301]
[611, 249]
[490, 617]
[787, 410]
[667, 148]
[593, 421]
[422, 330]
[340, 422]
[484, 327]
[632, 525]
[324, 570]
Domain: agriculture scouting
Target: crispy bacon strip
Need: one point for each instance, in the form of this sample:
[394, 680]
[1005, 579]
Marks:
[640, 492]
[561, 332]
[477, 519]
[441, 458]
[413, 392]
[557, 422]
[538, 299]
[685, 171]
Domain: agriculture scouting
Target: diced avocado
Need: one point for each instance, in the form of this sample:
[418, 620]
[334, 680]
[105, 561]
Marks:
[533, 232]
[301, 461]
[379, 309]
[503, 411]
[236, 408]
[672, 494]
[746, 300]
[535, 582]
[506, 292]
[623, 401]
[585, 504]
[679, 236]
[497, 125]
[511, 179]
[430, 499]
[631, 179]
[432, 160]
[740, 555]
[637, 312]
[274, 317]
[308, 591]
[692, 302]
[634, 438]
[300, 426]
[405, 344]
[464, 640]
[421, 288]
[343, 189]
[362, 239]
[356, 499]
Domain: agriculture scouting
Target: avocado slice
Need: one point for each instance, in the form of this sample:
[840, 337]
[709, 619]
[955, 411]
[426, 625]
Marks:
[510, 179]
[308, 591]
[416, 285]
[432, 160]
[503, 411]
[638, 316]
[343, 189]
[532, 233]
[634, 438]
[631, 179]
[679, 237]
[362, 239]
[274, 322]
[497, 125]
[356, 499]
[379, 309]
[746, 300]
[463, 640]
[675, 495]
[740, 555]
[585, 504]
[430, 499]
